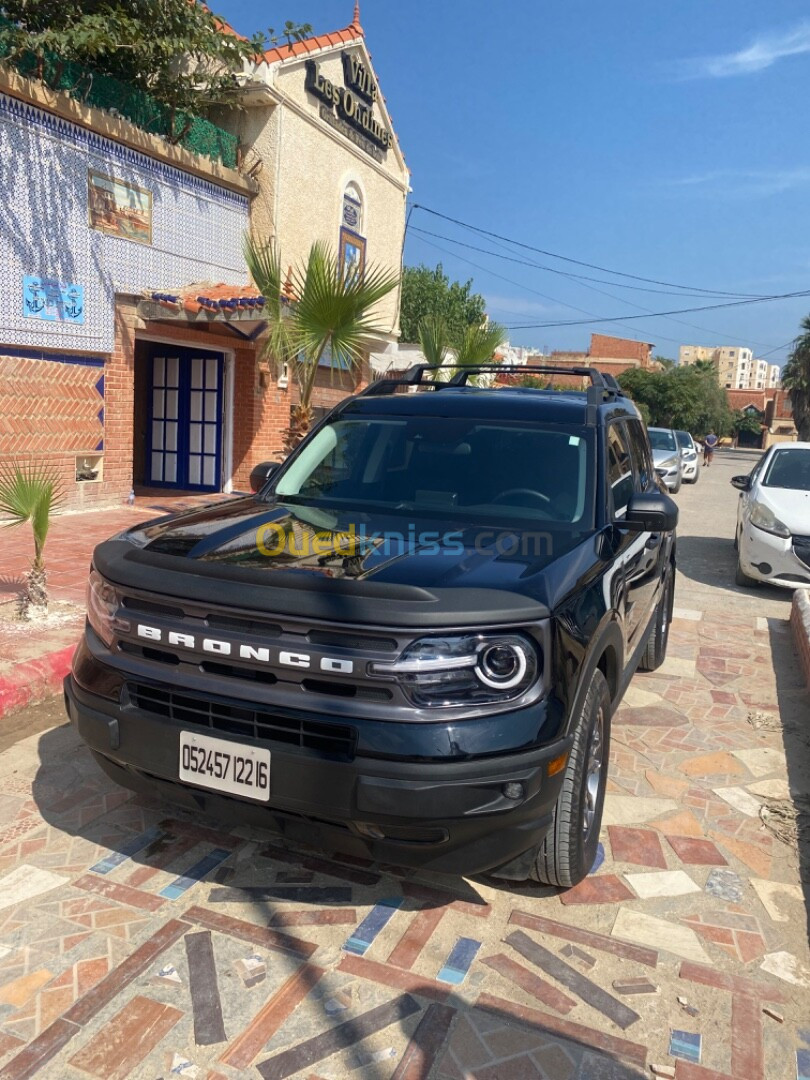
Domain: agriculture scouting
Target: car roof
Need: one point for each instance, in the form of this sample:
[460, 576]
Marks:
[789, 446]
[491, 403]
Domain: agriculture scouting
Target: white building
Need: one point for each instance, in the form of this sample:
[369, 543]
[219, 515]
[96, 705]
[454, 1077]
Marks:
[774, 376]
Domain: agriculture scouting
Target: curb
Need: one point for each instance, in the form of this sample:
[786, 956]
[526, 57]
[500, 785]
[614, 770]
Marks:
[800, 627]
[35, 680]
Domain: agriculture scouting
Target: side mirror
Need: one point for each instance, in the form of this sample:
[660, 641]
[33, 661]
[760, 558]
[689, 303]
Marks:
[262, 473]
[743, 483]
[650, 512]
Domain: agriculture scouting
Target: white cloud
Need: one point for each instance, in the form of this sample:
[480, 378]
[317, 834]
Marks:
[762, 53]
[517, 305]
[745, 183]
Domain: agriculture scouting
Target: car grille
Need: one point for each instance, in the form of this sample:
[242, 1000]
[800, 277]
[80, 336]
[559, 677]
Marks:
[801, 548]
[247, 721]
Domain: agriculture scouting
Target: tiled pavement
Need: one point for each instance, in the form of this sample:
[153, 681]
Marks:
[136, 942]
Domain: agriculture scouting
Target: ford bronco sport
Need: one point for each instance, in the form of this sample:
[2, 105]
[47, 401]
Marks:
[409, 643]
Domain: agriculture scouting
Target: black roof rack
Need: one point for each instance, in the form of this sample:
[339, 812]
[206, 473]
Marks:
[603, 386]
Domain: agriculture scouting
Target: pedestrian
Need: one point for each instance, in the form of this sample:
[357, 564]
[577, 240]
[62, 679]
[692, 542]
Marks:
[709, 444]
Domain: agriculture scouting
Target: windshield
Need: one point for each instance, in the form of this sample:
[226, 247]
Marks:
[684, 440]
[789, 468]
[446, 467]
[661, 439]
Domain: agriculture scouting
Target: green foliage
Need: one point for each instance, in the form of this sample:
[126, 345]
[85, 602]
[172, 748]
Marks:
[683, 397]
[477, 344]
[433, 339]
[745, 423]
[427, 292]
[329, 315]
[28, 493]
[796, 380]
[176, 51]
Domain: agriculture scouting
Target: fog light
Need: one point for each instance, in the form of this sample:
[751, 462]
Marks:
[373, 832]
[557, 764]
[513, 790]
[764, 568]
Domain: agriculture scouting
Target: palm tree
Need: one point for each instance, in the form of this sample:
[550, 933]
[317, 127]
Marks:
[434, 339]
[327, 314]
[478, 344]
[796, 380]
[31, 494]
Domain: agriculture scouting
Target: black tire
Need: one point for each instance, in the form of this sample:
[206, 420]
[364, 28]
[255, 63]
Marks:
[677, 487]
[741, 578]
[736, 541]
[655, 651]
[569, 850]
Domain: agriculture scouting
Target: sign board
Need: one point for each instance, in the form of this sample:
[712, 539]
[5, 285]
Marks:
[52, 301]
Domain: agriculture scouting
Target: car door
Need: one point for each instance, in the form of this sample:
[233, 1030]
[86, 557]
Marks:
[637, 553]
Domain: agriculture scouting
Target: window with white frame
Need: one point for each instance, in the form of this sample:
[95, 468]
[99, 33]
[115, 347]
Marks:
[352, 210]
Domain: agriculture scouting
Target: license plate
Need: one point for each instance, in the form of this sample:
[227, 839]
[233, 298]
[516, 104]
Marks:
[225, 766]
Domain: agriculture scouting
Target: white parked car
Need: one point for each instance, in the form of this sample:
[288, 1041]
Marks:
[773, 518]
[689, 457]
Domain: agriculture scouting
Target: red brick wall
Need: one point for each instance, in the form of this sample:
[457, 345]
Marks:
[49, 416]
[620, 348]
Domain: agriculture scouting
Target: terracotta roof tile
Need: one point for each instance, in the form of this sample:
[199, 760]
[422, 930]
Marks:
[193, 298]
[312, 44]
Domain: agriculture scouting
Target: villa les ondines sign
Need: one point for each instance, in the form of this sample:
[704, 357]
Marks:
[353, 103]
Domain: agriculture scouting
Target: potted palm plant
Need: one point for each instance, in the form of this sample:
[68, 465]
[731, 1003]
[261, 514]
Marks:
[28, 493]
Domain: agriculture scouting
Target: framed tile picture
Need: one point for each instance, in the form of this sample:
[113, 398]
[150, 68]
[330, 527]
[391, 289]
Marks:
[351, 253]
[119, 208]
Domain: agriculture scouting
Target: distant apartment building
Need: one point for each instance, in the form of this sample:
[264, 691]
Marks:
[736, 366]
[691, 354]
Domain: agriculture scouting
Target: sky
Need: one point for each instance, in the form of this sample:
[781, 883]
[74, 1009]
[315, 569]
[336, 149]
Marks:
[668, 142]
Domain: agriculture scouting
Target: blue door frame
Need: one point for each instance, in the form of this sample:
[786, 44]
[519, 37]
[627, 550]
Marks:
[185, 421]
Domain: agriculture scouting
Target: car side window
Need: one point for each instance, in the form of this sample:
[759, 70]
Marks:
[640, 452]
[620, 470]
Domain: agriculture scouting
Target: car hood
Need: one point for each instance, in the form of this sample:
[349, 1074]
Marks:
[791, 507]
[276, 555]
[660, 456]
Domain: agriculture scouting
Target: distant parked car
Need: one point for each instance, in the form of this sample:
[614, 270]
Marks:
[689, 457]
[773, 518]
[666, 457]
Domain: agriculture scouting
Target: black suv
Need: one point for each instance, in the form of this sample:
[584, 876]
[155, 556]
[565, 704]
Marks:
[409, 644]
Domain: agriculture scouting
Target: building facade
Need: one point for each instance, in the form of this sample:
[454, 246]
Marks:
[736, 366]
[130, 337]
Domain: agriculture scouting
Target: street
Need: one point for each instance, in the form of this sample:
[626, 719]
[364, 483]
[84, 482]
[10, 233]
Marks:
[137, 941]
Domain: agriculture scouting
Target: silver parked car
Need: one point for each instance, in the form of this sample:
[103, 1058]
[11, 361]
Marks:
[667, 458]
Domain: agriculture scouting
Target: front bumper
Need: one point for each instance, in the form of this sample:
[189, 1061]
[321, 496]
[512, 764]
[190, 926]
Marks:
[772, 559]
[449, 816]
[670, 477]
[690, 469]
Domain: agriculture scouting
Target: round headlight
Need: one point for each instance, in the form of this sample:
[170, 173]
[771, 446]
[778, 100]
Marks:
[501, 666]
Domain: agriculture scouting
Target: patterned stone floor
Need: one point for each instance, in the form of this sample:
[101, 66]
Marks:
[137, 942]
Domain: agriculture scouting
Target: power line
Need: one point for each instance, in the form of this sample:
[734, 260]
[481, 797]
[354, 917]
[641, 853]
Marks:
[662, 314]
[519, 284]
[562, 273]
[578, 262]
[582, 279]
[618, 320]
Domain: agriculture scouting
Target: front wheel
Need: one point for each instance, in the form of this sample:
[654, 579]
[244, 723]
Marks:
[569, 849]
[741, 578]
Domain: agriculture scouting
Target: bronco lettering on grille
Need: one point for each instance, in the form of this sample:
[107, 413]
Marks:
[263, 655]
